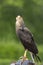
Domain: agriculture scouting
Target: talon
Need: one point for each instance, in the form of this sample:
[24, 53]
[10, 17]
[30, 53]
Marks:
[23, 58]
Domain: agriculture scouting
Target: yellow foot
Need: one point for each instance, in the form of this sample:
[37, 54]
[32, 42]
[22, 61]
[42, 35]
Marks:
[23, 58]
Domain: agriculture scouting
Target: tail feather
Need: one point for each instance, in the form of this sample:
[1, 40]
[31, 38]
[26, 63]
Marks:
[37, 57]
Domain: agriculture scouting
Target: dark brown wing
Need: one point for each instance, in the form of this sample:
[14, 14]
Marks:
[27, 40]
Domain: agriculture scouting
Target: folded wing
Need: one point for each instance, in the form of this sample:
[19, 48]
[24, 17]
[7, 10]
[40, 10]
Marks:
[27, 40]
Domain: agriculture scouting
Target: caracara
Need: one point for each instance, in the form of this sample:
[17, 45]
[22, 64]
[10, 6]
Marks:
[26, 38]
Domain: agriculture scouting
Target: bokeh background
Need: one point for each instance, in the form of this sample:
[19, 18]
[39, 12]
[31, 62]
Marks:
[32, 12]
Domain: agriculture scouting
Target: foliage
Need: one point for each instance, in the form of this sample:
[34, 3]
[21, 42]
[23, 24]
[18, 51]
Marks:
[32, 12]
[12, 51]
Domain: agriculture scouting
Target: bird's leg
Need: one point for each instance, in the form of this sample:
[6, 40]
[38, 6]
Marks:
[25, 53]
[24, 57]
[32, 57]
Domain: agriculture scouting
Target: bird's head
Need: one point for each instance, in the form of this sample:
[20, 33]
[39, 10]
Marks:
[19, 21]
[19, 18]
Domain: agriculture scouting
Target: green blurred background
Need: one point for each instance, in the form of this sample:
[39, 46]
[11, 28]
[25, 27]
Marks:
[32, 12]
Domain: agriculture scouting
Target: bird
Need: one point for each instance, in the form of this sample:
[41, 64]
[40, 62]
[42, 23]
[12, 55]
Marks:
[26, 38]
